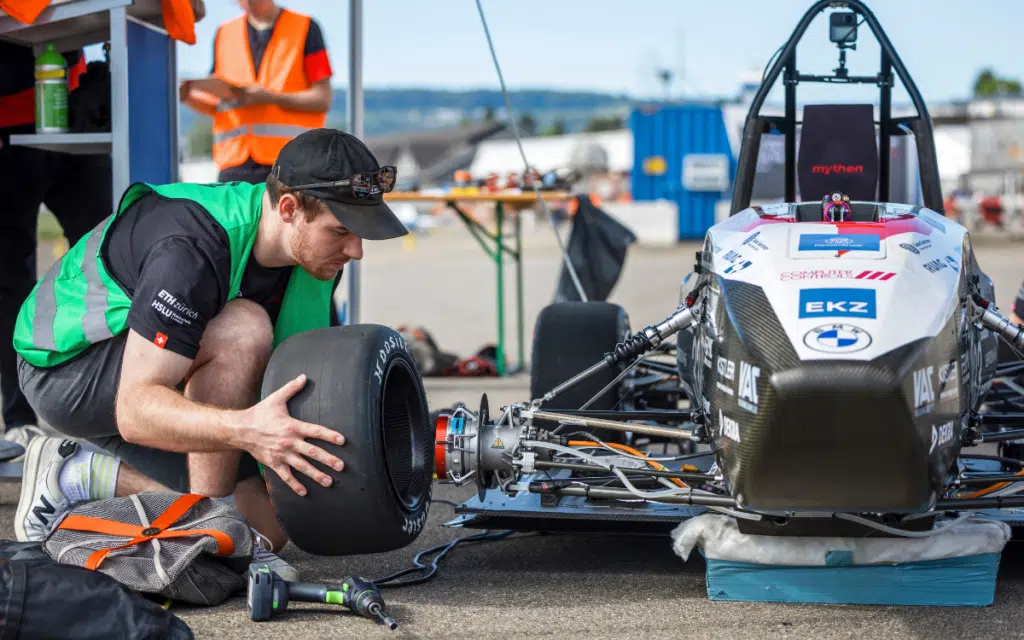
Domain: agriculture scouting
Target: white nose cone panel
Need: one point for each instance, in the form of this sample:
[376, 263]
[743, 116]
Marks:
[852, 290]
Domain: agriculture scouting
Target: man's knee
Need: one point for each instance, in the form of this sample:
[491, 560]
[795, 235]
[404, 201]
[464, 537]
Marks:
[242, 330]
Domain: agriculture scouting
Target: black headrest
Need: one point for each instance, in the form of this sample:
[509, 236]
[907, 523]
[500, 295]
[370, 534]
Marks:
[838, 151]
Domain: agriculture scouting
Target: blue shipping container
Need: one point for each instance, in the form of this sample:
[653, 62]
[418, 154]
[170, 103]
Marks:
[673, 142]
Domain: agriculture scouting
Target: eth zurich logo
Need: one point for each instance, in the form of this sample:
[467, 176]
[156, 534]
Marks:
[837, 338]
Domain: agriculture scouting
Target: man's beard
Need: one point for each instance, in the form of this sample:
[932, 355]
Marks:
[307, 259]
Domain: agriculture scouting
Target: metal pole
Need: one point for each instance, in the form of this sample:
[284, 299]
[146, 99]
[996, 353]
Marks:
[355, 125]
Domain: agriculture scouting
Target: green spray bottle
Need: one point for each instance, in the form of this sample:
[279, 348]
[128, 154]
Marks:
[51, 92]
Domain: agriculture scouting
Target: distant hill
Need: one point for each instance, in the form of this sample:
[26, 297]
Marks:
[389, 111]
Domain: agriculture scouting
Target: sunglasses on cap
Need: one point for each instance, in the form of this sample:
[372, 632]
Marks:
[360, 185]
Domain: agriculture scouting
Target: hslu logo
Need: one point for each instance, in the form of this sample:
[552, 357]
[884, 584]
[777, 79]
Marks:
[748, 386]
[924, 393]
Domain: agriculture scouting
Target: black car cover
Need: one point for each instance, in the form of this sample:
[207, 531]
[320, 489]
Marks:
[40, 599]
[597, 250]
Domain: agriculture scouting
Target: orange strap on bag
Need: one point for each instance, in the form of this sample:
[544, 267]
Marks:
[158, 529]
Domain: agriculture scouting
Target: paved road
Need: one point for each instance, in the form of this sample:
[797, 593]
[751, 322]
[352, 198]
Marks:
[561, 586]
[575, 587]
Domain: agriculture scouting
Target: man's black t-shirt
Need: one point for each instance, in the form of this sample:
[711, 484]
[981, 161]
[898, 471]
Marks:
[173, 260]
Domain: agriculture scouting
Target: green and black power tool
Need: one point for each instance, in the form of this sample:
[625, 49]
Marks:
[269, 594]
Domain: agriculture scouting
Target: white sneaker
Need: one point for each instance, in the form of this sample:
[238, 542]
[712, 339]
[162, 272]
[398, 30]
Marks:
[263, 557]
[21, 436]
[42, 502]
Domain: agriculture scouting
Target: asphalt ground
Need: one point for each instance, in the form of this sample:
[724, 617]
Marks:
[558, 585]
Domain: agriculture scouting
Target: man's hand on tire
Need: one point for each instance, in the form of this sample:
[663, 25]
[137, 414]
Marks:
[277, 440]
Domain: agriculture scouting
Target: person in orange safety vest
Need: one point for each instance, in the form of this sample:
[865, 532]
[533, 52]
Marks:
[277, 62]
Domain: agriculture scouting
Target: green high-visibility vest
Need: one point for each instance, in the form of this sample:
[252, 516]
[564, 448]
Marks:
[77, 303]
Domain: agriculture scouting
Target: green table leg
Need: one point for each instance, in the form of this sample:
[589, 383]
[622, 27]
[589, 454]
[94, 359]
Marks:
[519, 290]
[499, 218]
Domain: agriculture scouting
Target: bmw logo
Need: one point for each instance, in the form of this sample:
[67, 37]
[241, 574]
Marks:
[837, 338]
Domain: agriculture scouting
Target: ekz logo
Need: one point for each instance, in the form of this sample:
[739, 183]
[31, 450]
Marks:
[837, 303]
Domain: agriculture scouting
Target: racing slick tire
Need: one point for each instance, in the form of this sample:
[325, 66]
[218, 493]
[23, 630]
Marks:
[570, 337]
[361, 381]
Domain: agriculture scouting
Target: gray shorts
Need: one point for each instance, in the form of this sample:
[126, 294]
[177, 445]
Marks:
[77, 398]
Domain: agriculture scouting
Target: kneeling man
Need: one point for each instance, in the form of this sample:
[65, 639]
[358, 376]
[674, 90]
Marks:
[150, 337]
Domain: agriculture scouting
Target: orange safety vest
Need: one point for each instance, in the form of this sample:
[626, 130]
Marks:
[260, 131]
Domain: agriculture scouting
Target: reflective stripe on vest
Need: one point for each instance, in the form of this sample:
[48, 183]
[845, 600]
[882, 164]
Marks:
[94, 321]
[46, 310]
[270, 130]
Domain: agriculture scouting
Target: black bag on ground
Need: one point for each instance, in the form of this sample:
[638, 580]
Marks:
[41, 599]
[597, 250]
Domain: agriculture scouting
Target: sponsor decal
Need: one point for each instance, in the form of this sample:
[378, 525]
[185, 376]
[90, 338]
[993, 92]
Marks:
[731, 256]
[834, 274]
[739, 266]
[941, 434]
[839, 242]
[730, 428]
[160, 340]
[947, 373]
[706, 343]
[917, 247]
[838, 303]
[816, 274]
[875, 275]
[837, 338]
[924, 393]
[936, 265]
[498, 444]
[954, 263]
[947, 376]
[829, 169]
[726, 368]
[748, 386]
[754, 241]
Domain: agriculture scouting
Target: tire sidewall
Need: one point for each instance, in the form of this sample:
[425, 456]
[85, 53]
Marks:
[393, 351]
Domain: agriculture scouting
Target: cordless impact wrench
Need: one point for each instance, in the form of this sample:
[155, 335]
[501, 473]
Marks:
[269, 594]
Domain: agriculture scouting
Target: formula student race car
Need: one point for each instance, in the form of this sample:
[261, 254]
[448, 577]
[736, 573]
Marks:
[827, 364]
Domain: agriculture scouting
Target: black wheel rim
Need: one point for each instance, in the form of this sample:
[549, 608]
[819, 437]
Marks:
[406, 446]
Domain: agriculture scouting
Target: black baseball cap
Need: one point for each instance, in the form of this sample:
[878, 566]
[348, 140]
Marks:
[326, 155]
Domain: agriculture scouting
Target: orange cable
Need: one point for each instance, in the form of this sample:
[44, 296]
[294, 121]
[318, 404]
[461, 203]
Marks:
[621, 447]
[995, 487]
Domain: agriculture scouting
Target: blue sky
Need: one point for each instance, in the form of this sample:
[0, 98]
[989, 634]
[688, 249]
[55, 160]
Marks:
[615, 45]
